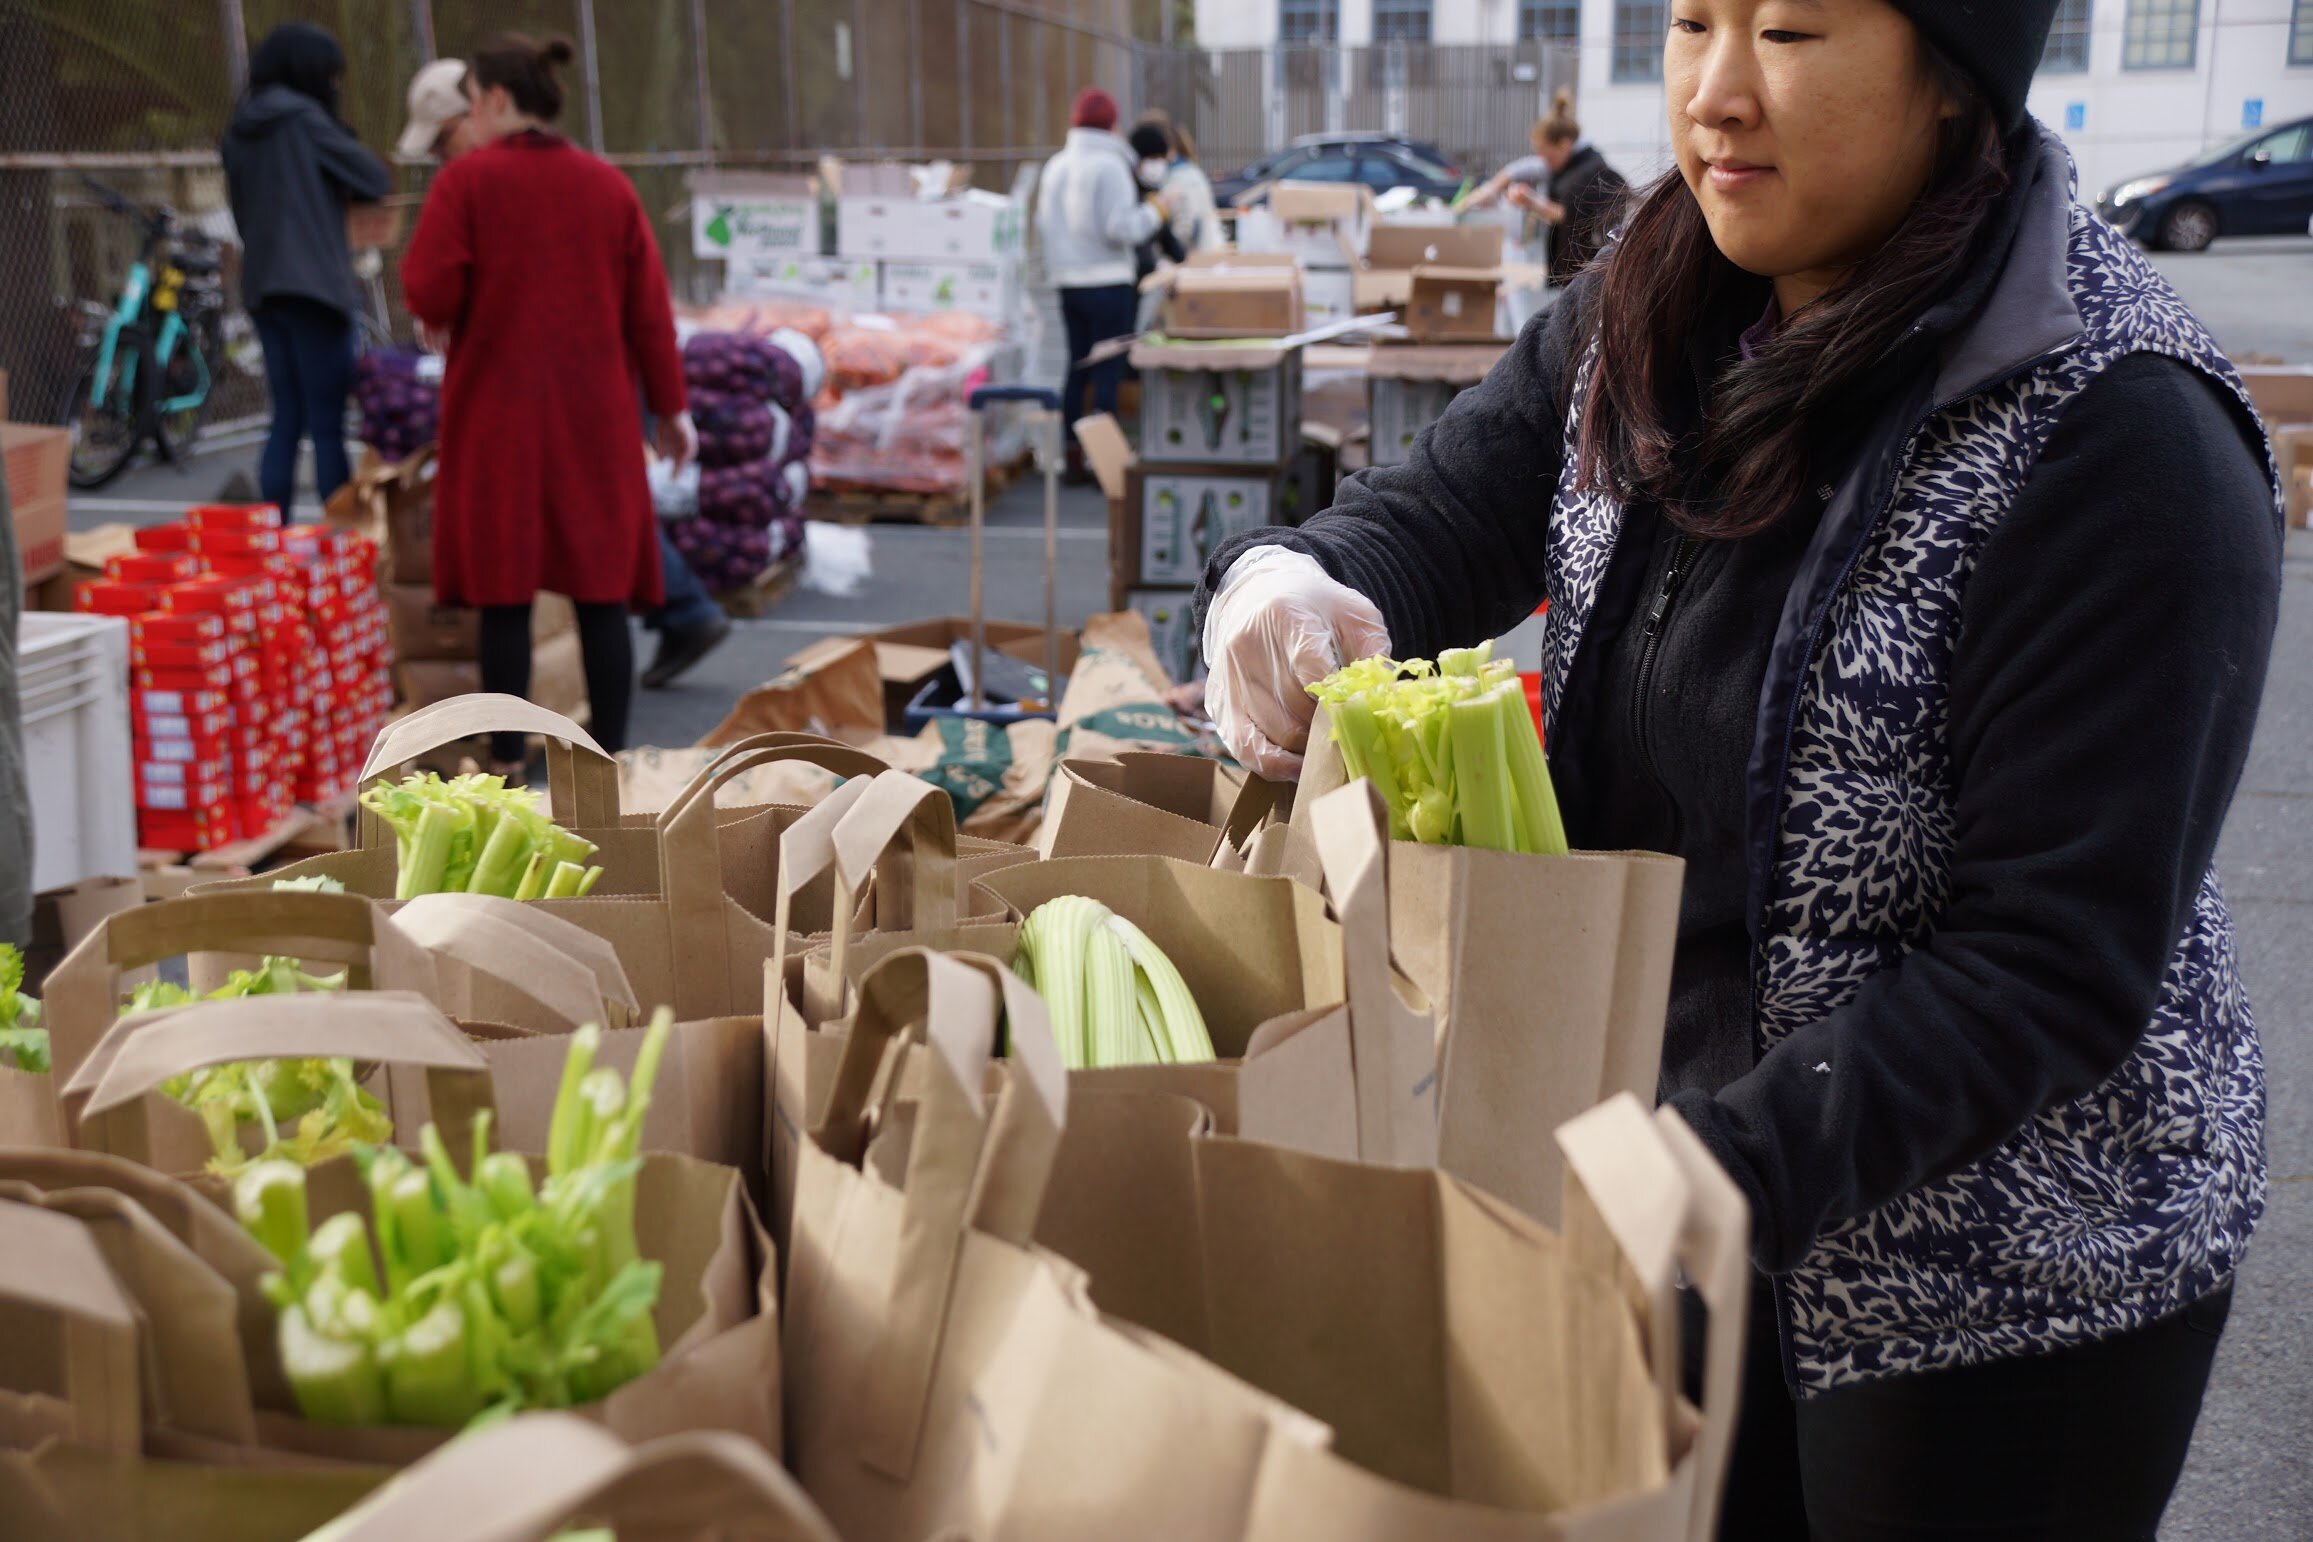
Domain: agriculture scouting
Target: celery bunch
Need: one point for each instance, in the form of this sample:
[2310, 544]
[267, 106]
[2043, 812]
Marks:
[1114, 997]
[1452, 748]
[318, 1101]
[476, 835]
[23, 1042]
[492, 1296]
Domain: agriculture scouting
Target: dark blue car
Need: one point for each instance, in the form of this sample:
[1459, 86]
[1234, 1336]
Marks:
[2259, 185]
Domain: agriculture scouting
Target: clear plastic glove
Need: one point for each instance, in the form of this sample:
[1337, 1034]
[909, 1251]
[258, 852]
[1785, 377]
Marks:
[1278, 626]
[678, 440]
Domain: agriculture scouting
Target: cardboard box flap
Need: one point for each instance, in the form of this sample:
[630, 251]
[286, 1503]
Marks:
[1250, 354]
[1381, 288]
[1441, 273]
[1455, 363]
[1107, 452]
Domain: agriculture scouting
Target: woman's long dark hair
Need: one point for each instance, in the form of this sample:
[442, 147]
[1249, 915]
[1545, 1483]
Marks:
[1665, 274]
[526, 69]
[302, 57]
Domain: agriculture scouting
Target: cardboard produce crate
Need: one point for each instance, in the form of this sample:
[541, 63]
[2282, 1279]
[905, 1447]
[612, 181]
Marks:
[1411, 387]
[1234, 404]
[37, 462]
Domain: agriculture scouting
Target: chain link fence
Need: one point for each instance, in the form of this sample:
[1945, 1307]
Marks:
[135, 94]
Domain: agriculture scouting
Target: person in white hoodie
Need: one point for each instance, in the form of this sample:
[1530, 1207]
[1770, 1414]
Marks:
[1090, 214]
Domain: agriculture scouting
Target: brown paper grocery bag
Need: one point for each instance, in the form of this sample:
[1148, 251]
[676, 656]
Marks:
[79, 1457]
[28, 1109]
[1508, 1382]
[325, 931]
[113, 1103]
[945, 1380]
[527, 1479]
[834, 690]
[1144, 804]
[1550, 977]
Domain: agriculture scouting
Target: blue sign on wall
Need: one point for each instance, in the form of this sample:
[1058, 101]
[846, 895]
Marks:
[2075, 117]
[2253, 112]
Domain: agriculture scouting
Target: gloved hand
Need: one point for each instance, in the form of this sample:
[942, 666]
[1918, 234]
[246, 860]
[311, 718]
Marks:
[1279, 625]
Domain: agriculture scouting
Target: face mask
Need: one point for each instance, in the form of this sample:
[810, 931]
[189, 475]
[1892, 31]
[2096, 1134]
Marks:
[1152, 173]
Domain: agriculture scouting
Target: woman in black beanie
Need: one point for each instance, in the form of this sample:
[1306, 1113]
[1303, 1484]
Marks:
[1913, 559]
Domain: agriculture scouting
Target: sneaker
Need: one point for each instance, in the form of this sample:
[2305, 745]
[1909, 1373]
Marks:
[680, 648]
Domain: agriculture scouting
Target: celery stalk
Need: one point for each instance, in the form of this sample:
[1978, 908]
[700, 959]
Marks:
[1481, 777]
[1530, 775]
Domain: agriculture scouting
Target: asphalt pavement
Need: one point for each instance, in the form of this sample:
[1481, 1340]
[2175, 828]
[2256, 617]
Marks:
[2249, 1479]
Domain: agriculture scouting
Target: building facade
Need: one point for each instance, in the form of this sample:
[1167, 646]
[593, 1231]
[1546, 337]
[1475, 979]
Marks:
[2132, 85]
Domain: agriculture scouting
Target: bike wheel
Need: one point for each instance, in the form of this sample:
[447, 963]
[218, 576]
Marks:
[106, 430]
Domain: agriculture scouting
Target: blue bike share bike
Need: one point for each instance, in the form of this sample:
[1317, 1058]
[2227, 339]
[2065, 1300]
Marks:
[149, 362]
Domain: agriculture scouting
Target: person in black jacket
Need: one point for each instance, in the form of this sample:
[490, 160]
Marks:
[1566, 184]
[1913, 562]
[291, 167]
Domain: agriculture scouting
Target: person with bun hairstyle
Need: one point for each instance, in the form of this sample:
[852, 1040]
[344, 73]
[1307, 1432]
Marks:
[1913, 557]
[534, 264]
[1565, 183]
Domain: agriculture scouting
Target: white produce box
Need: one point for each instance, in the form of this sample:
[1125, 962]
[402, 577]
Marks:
[72, 675]
[990, 289]
[970, 226]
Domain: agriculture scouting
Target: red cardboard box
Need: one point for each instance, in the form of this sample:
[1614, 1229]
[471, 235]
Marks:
[212, 724]
[151, 567]
[165, 538]
[198, 829]
[111, 597]
[217, 678]
[235, 516]
[182, 655]
[184, 797]
[236, 544]
[161, 626]
[232, 597]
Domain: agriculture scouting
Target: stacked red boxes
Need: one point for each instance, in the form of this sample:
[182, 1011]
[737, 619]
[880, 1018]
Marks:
[239, 633]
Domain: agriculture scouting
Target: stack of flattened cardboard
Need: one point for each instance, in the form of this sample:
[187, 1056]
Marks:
[2284, 398]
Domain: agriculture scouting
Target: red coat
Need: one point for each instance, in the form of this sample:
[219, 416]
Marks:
[539, 261]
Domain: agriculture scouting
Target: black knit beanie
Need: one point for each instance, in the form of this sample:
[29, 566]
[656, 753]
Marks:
[1997, 42]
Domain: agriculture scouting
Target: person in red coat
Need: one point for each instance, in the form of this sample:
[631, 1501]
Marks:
[534, 261]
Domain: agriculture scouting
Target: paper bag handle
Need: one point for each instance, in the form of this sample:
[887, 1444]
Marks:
[1393, 1042]
[1714, 1251]
[964, 1159]
[691, 856]
[582, 779]
[532, 1475]
[322, 928]
[903, 832]
[395, 1028]
[1644, 1200]
[48, 1260]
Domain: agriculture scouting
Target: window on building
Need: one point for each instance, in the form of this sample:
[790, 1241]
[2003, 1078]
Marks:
[1401, 21]
[1308, 21]
[2068, 40]
[2162, 35]
[1560, 21]
[2301, 33]
[1639, 26]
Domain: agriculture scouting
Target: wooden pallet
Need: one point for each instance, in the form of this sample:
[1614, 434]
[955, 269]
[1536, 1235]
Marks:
[874, 506]
[308, 828]
[769, 588]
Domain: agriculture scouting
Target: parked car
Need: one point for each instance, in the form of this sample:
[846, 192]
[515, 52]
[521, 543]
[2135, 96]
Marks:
[1380, 161]
[2259, 185]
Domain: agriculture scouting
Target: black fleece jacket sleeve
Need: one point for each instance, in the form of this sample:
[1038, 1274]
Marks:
[1449, 544]
[2111, 655]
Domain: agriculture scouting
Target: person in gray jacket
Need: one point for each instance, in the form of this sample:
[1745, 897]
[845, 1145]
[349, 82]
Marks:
[291, 167]
[1089, 216]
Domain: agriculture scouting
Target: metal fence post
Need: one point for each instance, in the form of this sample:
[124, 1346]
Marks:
[422, 24]
[591, 60]
[963, 74]
[236, 32]
[787, 62]
[699, 88]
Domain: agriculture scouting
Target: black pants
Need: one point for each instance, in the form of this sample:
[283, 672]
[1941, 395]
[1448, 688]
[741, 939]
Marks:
[603, 641]
[1094, 316]
[2083, 1443]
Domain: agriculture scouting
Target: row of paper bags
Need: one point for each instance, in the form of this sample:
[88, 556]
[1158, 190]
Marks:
[1015, 1303]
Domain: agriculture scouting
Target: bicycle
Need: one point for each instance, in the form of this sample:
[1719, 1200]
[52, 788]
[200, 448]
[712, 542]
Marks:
[151, 359]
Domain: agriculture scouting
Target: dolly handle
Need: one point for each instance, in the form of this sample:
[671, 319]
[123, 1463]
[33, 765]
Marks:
[1043, 396]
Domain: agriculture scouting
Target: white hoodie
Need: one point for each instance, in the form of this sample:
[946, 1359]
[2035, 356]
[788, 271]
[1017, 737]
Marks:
[1089, 212]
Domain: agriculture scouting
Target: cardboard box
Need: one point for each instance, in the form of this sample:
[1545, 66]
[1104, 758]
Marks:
[1165, 521]
[423, 630]
[1230, 299]
[557, 677]
[1322, 224]
[2283, 392]
[970, 226]
[754, 216]
[839, 283]
[38, 460]
[1411, 386]
[1170, 634]
[1328, 295]
[1236, 405]
[2301, 498]
[1453, 305]
[990, 289]
[1406, 246]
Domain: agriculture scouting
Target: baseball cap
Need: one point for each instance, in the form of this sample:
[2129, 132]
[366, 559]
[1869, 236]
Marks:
[437, 98]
